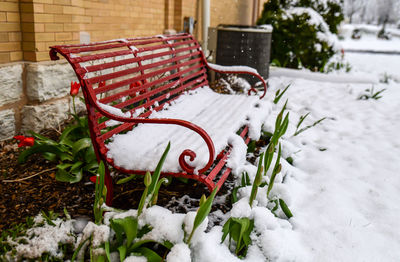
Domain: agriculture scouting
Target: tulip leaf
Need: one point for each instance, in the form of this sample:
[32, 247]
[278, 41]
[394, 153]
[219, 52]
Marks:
[150, 254]
[257, 180]
[157, 171]
[285, 208]
[202, 213]
[275, 171]
[38, 149]
[81, 144]
[126, 179]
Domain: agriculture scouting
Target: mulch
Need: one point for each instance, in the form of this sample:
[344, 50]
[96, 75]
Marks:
[42, 192]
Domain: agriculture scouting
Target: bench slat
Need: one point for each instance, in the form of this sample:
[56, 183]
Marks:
[117, 44]
[143, 76]
[143, 87]
[121, 73]
[136, 59]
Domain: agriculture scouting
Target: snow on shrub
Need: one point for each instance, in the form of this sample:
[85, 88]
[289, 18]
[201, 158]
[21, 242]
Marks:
[303, 32]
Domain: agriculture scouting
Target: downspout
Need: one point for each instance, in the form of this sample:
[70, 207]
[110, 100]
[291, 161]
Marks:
[206, 24]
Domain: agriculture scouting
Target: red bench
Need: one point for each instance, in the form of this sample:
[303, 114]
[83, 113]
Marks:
[124, 81]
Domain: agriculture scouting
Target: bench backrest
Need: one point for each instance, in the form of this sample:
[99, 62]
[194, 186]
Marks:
[136, 75]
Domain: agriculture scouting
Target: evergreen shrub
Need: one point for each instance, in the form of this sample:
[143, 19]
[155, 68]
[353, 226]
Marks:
[303, 31]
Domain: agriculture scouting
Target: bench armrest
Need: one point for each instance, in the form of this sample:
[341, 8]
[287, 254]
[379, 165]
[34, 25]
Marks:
[114, 115]
[238, 70]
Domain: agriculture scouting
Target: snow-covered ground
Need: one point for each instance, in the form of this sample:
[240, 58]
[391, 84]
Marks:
[345, 182]
[343, 187]
[369, 40]
[369, 60]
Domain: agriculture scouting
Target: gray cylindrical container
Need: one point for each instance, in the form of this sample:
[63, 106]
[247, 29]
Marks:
[244, 45]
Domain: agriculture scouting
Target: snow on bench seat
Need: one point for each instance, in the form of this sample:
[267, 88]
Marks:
[221, 116]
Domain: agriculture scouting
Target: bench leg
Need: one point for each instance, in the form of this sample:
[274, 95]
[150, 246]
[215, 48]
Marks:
[109, 184]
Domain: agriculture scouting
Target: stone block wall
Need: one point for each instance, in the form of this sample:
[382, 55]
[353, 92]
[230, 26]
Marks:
[34, 96]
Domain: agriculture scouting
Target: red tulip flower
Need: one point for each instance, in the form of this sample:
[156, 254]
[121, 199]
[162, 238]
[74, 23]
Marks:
[25, 141]
[93, 179]
[136, 84]
[74, 88]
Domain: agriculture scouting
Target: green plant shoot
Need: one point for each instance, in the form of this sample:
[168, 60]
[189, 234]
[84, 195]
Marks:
[153, 183]
[238, 229]
[277, 169]
[257, 180]
[307, 127]
[202, 213]
[100, 194]
[279, 94]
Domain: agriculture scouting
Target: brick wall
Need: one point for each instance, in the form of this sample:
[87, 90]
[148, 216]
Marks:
[41, 23]
[61, 21]
[10, 32]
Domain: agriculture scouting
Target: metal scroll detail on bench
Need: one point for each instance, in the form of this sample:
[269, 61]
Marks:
[138, 76]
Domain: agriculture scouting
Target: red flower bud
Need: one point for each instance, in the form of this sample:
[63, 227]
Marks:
[93, 179]
[25, 141]
[19, 137]
[136, 84]
[74, 88]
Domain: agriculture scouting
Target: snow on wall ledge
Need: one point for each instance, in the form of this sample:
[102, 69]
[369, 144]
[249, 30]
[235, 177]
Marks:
[28, 91]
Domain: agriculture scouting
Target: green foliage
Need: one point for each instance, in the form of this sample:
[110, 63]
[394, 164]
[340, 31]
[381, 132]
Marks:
[280, 126]
[265, 161]
[245, 181]
[49, 217]
[277, 169]
[302, 118]
[330, 10]
[73, 151]
[251, 147]
[127, 179]
[279, 202]
[285, 208]
[257, 180]
[239, 230]
[279, 94]
[100, 194]
[126, 232]
[295, 39]
[153, 184]
[280, 130]
[332, 66]
[386, 78]
[202, 213]
[371, 94]
[269, 153]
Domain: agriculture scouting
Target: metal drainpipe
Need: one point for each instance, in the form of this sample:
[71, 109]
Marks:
[206, 24]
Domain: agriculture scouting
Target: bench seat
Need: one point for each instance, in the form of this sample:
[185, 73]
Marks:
[221, 116]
